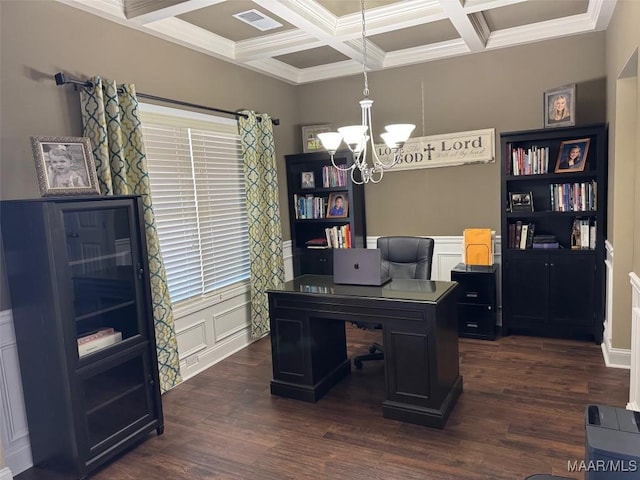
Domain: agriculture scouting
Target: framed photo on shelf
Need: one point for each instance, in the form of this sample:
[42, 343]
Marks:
[308, 180]
[310, 140]
[65, 166]
[338, 206]
[560, 106]
[572, 156]
[521, 202]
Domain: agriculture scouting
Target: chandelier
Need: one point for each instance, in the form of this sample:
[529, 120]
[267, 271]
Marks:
[358, 137]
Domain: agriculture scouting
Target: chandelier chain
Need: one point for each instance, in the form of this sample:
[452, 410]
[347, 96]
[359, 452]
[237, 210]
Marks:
[365, 92]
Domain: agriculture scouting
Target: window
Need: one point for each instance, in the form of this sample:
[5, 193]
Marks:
[197, 185]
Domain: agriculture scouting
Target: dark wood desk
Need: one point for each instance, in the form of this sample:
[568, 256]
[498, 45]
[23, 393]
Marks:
[309, 352]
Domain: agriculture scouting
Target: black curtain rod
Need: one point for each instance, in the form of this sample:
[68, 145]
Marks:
[62, 79]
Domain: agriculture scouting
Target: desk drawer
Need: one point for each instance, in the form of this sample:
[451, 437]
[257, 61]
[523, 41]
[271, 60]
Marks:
[476, 321]
[476, 288]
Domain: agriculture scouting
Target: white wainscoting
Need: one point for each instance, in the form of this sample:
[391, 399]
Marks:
[210, 330]
[613, 357]
[447, 253]
[14, 430]
[634, 383]
[608, 313]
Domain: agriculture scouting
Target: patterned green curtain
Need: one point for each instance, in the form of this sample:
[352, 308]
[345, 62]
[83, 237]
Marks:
[263, 213]
[110, 120]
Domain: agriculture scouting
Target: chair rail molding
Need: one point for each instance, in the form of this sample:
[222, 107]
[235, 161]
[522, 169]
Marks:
[634, 381]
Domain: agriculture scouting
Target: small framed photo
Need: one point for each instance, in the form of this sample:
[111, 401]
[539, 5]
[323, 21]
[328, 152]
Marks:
[338, 206]
[572, 156]
[560, 106]
[521, 202]
[65, 166]
[307, 180]
[310, 140]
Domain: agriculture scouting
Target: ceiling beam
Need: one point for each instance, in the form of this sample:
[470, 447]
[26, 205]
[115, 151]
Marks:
[148, 11]
[472, 28]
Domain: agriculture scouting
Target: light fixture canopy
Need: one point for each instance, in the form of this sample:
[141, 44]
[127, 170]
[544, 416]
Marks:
[359, 138]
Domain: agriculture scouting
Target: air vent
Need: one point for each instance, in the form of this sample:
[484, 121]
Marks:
[258, 20]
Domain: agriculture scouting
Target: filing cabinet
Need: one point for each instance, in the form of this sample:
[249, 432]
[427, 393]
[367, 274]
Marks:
[477, 301]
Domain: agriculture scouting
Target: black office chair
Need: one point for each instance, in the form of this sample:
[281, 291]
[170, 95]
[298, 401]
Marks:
[402, 257]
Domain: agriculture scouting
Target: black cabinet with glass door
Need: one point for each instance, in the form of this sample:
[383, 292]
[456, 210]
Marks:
[81, 304]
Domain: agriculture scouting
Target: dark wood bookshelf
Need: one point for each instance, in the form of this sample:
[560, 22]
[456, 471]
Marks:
[320, 260]
[555, 291]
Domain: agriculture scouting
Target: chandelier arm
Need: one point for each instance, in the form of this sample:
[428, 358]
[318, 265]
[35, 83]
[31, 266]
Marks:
[381, 172]
[342, 169]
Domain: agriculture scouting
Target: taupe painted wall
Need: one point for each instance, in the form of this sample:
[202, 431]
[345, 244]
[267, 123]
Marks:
[41, 38]
[623, 114]
[499, 89]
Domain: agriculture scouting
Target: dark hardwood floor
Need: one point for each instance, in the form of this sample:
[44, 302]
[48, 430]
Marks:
[521, 413]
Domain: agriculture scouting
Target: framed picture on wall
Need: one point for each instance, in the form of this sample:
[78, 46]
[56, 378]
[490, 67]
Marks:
[560, 106]
[65, 166]
[310, 140]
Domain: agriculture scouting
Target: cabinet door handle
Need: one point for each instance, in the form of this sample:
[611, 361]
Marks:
[551, 264]
[471, 294]
[472, 325]
[488, 307]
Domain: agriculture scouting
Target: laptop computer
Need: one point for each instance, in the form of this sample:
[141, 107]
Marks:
[358, 266]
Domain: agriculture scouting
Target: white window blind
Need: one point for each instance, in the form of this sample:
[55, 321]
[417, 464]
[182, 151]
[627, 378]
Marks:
[197, 186]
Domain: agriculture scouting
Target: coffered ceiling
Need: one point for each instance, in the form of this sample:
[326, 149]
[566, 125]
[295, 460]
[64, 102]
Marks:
[321, 39]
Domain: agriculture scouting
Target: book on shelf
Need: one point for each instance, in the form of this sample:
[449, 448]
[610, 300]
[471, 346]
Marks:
[581, 233]
[521, 235]
[338, 237]
[517, 236]
[320, 242]
[544, 241]
[99, 343]
[334, 177]
[309, 207]
[573, 197]
[93, 335]
[546, 245]
[530, 234]
[533, 160]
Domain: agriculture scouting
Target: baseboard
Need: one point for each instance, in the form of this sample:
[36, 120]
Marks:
[5, 474]
[20, 458]
[633, 406]
[221, 350]
[615, 357]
